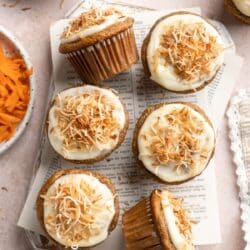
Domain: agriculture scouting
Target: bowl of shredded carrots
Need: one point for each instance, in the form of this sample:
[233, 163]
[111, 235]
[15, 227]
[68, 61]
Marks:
[16, 89]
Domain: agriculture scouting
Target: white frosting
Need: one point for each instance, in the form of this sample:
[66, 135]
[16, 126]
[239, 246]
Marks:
[85, 32]
[177, 238]
[103, 218]
[243, 6]
[168, 173]
[164, 74]
[56, 138]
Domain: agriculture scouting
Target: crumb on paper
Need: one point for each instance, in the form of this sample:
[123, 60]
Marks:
[11, 5]
[4, 189]
[126, 203]
[26, 8]
[61, 4]
[194, 221]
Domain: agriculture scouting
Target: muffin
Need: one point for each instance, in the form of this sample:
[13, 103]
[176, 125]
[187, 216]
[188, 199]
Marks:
[77, 209]
[86, 124]
[182, 52]
[174, 141]
[100, 44]
[158, 222]
[240, 9]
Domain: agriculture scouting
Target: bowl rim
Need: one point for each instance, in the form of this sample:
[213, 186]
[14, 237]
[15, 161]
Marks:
[22, 125]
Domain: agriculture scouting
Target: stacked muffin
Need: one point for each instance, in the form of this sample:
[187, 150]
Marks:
[174, 142]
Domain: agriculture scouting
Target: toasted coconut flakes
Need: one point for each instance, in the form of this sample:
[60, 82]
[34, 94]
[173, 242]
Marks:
[77, 209]
[177, 143]
[90, 18]
[86, 121]
[189, 48]
[183, 221]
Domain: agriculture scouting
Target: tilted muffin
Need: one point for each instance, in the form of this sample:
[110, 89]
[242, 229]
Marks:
[86, 124]
[240, 9]
[174, 141]
[157, 222]
[182, 52]
[77, 208]
[100, 43]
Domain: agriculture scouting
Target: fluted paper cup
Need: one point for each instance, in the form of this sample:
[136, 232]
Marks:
[105, 58]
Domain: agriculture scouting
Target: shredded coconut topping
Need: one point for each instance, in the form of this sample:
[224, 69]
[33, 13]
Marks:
[77, 207]
[189, 48]
[87, 121]
[90, 18]
[177, 143]
[182, 219]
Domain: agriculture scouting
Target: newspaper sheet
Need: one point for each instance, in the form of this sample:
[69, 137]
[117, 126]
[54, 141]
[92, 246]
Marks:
[137, 92]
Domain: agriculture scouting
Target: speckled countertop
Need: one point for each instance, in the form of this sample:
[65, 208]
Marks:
[29, 21]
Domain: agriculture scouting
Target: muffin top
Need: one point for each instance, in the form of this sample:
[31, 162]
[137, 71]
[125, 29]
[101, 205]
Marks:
[78, 210]
[85, 122]
[184, 52]
[175, 142]
[176, 220]
[93, 26]
[243, 6]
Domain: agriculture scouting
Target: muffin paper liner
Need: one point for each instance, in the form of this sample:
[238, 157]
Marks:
[106, 58]
[139, 229]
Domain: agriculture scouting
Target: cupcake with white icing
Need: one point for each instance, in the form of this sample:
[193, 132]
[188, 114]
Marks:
[158, 222]
[77, 209]
[174, 141]
[86, 124]
[240, 9]
[100, 43]
[182, 52]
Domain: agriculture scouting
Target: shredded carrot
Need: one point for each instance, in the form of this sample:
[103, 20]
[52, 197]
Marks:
[14, 93]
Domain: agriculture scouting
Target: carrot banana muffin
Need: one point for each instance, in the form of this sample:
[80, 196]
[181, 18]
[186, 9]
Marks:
[87, 123]
[158, 222]
[100, 43]
[174, 141]
[77, 209]
[240, 9]
[182, 52]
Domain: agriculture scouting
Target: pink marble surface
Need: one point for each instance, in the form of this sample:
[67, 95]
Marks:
[31, 26]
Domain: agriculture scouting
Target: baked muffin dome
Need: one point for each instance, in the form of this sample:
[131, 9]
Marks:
[182, 52]
[174, 141]
[85, 124]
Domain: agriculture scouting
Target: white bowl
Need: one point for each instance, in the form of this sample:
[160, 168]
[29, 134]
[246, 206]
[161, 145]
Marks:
[13, 47]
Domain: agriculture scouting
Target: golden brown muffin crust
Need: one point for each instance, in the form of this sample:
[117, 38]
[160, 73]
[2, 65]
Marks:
[97, 37]
[159, 221]
[236, 12]
[40, 201]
